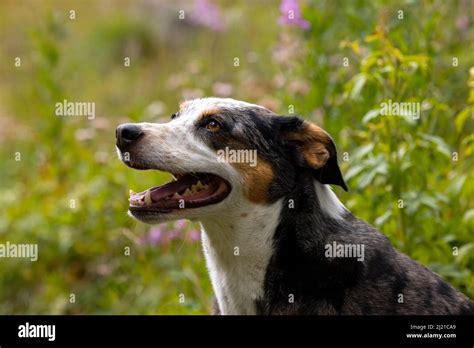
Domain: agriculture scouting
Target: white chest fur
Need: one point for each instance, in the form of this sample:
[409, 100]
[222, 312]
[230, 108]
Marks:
[237, 249]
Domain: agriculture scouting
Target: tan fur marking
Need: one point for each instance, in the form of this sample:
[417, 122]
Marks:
[208, 113]
[256, 180]
[311, 132]
[315, 154]
[315, 141]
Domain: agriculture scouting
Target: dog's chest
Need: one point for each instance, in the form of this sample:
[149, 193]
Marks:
[236, 280]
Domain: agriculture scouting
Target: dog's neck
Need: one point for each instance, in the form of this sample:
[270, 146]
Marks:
[237, 248]
[239, 245]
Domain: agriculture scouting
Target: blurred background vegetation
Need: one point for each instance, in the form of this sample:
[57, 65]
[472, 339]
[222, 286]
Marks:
[333, 62]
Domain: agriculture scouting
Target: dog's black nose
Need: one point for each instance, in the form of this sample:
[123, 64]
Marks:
[127, 134]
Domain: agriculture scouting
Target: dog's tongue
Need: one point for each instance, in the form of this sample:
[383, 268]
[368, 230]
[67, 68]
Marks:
[171, 188]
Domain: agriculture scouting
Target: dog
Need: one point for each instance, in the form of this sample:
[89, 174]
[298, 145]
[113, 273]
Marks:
[276, 239]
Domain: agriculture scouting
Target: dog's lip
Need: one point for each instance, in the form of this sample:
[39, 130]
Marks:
[191, 190]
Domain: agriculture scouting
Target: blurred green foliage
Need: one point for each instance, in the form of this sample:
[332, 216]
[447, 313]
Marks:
[416, 171]
[384, 158]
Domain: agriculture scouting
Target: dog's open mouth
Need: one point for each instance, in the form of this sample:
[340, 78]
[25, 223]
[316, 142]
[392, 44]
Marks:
[193, 190]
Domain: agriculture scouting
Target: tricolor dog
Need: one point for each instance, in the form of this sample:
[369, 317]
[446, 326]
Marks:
[275, 237]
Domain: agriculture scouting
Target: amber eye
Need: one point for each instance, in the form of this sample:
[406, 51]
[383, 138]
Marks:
[213, 126]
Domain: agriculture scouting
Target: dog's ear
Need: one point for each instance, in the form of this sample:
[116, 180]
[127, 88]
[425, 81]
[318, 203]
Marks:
[314, 148]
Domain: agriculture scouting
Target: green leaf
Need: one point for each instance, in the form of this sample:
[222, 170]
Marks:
[468, 215]
[354, 171]
[465, 253]
[370, 115]
[439, 144]
[462, 117]
[375, 166]
[383, 218]
[358, 83]
[456, 186]
[362, 151]
[430, 202]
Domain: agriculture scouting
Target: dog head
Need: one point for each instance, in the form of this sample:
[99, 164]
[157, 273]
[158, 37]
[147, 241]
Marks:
[223, 153]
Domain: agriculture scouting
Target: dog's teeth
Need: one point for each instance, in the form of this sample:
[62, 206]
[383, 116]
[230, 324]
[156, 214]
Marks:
[176, 195]
[194, 188]
[131, 193]
[199, 185]
[148, 200]
[187, 192]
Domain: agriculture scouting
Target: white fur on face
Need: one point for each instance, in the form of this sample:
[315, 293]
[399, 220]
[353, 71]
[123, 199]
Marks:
[199, 106]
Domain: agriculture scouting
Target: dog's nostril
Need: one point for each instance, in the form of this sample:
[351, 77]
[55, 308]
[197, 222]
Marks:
[129, 132]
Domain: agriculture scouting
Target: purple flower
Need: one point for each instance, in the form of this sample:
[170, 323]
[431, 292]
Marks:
[291, 14]
[195, 235]
[206, 14]
[172, 235]
[155, 236]
[162, 234]
[180, 224]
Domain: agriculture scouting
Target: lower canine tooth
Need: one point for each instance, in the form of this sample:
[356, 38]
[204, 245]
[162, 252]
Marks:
[176, 195]
[187, 192]
[148, 200]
